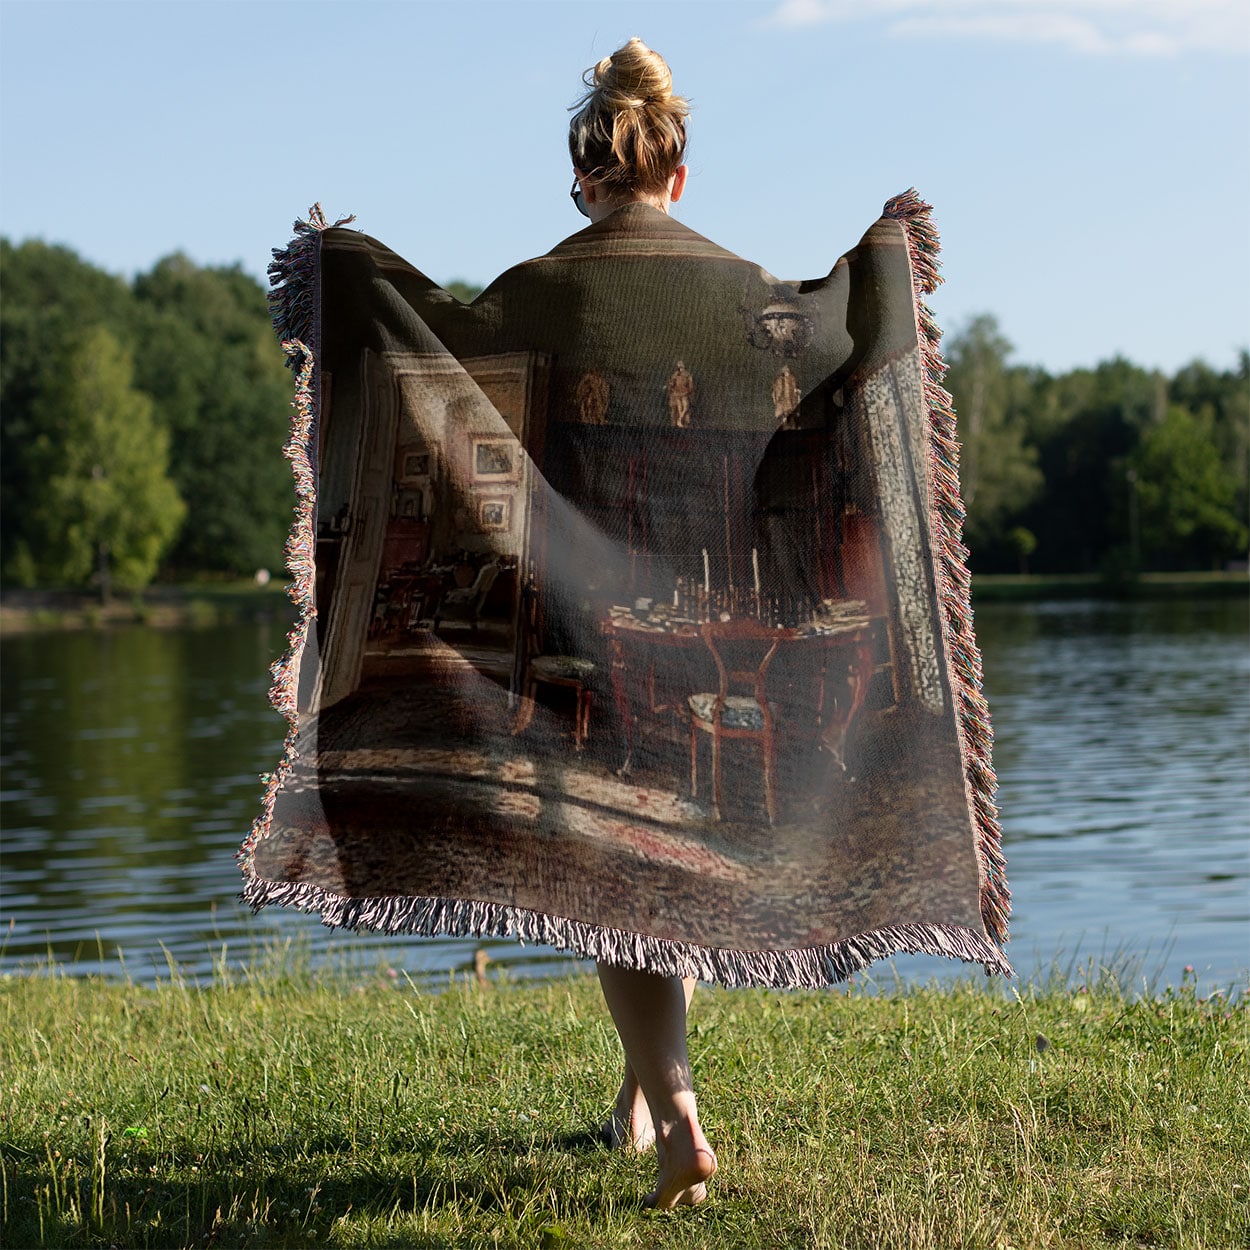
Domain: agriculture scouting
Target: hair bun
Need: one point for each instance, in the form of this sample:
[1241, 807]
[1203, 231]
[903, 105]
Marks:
[629, 130]
[634, 76]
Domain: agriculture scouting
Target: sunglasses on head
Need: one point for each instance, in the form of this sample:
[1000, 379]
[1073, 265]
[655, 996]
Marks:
[576, 196]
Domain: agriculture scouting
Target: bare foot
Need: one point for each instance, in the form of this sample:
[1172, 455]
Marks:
[629, 1126]
[686, 1165]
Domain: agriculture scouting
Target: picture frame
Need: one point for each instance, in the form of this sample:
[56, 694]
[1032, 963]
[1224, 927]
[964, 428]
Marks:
[416, 466]
[494, 514]
[410, 504]
[495, 459]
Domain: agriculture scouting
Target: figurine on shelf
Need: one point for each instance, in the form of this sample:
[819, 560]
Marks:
[680, 394]
[786, 397]
[592, 396]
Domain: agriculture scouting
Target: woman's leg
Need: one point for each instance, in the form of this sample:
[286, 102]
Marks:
[649, 1012]
[629, 1126]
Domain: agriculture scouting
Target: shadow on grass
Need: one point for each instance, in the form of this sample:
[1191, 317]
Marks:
[291, 1195]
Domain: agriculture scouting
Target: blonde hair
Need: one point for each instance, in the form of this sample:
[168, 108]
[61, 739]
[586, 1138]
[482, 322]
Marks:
[629, 131]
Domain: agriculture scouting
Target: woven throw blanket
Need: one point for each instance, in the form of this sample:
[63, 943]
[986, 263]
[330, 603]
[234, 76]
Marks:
[634, 618]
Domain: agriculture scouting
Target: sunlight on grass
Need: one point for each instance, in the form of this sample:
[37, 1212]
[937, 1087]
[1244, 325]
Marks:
[286, 1107]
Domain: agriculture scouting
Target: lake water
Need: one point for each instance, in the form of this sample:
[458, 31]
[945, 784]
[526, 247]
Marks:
[131, 762]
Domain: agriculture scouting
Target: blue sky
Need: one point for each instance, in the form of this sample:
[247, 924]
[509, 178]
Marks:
[1088, 160]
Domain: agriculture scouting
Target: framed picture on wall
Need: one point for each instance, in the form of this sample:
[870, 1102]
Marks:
[411, 504]
[494, 514]
[416, 466]
[496, 460]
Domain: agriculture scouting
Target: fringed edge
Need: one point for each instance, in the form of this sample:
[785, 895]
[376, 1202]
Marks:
[954, 581]
[804, 968]
[294, 275]
[300, 550]
[295, 304]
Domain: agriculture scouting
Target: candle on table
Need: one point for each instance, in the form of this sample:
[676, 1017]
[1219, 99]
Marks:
[707, 573]
[755, 568]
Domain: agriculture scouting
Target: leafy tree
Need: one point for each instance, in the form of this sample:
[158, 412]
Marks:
[208, 358]
[1087, 424]
[107, 507]
[51, 298]
[205, 354]
[465, 292]
[1223, 400]
[1187, 493]
[1023, 543]
[998, 468]
[55, 280]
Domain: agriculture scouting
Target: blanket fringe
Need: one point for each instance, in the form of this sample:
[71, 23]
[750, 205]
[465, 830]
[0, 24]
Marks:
[805, 968]
[295, 305]
[295, 300]
[954, 581]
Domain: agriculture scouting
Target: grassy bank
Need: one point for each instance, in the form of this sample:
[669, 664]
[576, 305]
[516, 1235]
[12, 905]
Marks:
[281, 1109]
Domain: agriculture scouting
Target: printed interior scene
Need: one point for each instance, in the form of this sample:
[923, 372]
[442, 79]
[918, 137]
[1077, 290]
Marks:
[700, 677]
[712, 619]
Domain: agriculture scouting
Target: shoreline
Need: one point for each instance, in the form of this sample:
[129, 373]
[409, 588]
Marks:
[1036, 587]
[171, 606]
[206, 604]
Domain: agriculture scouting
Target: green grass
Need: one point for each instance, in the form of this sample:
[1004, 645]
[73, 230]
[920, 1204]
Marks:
[285, 1108]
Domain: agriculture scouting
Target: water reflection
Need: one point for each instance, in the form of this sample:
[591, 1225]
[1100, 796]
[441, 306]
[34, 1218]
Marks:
[131, 762]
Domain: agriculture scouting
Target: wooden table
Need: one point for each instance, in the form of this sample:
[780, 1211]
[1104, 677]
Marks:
[637, 646]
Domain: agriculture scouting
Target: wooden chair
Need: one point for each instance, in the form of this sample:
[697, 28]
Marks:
[750, 646]
[467, 604]
[570, 671]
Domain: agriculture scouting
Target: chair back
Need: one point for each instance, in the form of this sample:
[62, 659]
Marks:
[742, 651]
[485, 580]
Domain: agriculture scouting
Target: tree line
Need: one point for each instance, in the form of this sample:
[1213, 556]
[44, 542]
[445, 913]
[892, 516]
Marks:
[141, 422]
[1114, 470]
